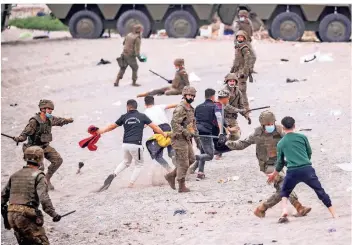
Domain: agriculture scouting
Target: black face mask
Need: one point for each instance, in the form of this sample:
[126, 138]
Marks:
[189, 101]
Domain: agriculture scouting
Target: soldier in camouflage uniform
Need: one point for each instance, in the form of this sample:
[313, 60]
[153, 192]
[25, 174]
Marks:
[232, 98]
[25, 190]
[266, 138]
[38, 132]
[131, 51]
[183, 128]
[243, 63]
[244, 24]
[177, 84]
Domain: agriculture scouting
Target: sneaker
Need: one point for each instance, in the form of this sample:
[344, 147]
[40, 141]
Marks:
[200, 176]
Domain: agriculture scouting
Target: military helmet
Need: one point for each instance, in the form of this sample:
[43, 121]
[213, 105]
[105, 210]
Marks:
[231, 76]
[179, 62]
[34, 154]
[243, 12]
[46, 104]
[137, 28]
[223, 93]
[241, 33]
[267, 117]
[188, 90]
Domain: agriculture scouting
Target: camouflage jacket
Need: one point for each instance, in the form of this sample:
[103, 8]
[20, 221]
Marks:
[36, 128]
[132, 45]
[235, 103]
[265, 143]
[28, 187]
[246, 26]
[181, 79]
[244, 59]
[183, 122]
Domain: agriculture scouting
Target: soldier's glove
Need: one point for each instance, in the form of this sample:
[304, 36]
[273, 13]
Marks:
[16, 139]
[242, 76]
[69, 120]
[169, 81]
[249, 120]
[57, 218]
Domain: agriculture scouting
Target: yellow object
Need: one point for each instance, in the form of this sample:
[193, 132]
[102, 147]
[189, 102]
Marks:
[162, 141]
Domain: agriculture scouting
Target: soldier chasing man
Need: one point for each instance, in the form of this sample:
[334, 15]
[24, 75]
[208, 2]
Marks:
[24, 191]
[266, 138]
[131, 51]
[38, 132]
[183, 129]
[177, 84]
[243, 63]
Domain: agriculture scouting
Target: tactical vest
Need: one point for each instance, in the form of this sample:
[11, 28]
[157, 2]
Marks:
[188, 120]
[239, 57]
[128, 48]
[42, 133]
[266, 143]
[23, 187]
[245, 26]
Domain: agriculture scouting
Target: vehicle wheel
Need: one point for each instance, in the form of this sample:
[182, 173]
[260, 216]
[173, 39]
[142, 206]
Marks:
[102, 33]
[335, 28]
[181, 24]
[133, 17]
[287, 26]
[85, 24]
[318, 36]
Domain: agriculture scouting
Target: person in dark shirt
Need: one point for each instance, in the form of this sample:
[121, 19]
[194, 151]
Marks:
[206, 120]
[294, 151]
[133, 123]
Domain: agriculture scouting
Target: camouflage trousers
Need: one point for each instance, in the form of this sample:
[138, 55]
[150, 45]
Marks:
[242, 85]
[235, 132]
[126, 61]
[165, 90]
[52, 156]
[276, 197]
[27, 232]
[184, 156]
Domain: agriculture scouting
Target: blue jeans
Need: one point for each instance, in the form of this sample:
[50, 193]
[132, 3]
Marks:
[207, 153]
[306, 175]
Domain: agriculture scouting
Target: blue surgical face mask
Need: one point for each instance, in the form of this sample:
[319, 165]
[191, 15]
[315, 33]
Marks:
[48, 115]
[270, 128]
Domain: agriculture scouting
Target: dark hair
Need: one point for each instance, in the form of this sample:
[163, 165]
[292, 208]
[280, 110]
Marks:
[288, 122]
[132, 103]
[149, 100]
[209, 92]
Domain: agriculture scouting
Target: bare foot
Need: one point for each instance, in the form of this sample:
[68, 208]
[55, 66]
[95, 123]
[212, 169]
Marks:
[283, 218]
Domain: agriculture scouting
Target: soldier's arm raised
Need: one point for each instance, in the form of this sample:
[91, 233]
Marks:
[28, 130]
[42, 192]
[137, 46]
[5, 193]
[60, 121]
[241, 144]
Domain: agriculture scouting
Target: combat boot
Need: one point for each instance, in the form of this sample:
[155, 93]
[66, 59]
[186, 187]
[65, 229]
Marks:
[116, 84]
[260, 211]
[182, 186]
[301, 210]
[170, 178]
[135, 84]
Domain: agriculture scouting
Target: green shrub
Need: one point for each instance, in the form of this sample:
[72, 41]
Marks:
[45, 23]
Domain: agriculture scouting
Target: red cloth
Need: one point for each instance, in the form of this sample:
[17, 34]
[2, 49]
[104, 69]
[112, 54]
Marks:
[92, 140]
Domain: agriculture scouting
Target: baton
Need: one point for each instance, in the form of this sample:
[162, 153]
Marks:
[159, 75]
[258, 108]
[8, 136]
[68, 213]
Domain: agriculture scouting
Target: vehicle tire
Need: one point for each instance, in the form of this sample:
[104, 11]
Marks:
[181, 24]
[85, 24]
[130, 18]
[318, 36]
[287, 26]
[335, 28]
